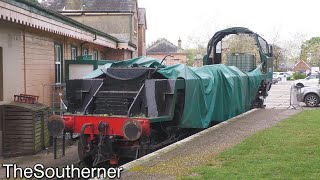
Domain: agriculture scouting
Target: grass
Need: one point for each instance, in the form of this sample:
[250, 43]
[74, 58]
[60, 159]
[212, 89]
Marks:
[289, 150]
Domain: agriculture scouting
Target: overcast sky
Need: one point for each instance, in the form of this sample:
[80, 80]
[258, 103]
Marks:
[172, 19]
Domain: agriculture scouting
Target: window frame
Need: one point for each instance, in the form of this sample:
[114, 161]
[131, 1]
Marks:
[85, 49]
[76, 52]
[264, 48]
[58, 63]
[102, 55]
[95, 55]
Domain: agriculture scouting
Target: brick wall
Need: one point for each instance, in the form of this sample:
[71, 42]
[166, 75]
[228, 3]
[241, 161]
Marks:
[70, 42]
[142, 41]
[39, 55]
[118, 54]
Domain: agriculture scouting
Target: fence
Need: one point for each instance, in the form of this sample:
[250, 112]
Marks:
[57, 94]
[295, 91]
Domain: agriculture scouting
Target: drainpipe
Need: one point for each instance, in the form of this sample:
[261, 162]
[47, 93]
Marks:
[24, 61]
[95, 36]
[131, 16]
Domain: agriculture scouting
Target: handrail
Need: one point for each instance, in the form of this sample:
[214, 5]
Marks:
[135, 99]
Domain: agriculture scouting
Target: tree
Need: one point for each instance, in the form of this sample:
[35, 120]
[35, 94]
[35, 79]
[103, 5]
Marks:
[278, 56]
[195, 53]
[310, 51]
[241, 43]
[292, 47]
[196, 47]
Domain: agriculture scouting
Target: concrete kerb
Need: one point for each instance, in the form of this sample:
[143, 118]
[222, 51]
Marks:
[171, 147]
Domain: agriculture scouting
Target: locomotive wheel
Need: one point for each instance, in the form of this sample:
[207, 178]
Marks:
[84, 149]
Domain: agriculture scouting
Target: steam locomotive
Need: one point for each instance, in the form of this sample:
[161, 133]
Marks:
[137, 106]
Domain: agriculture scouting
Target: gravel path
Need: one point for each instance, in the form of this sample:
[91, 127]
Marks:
[201, 150]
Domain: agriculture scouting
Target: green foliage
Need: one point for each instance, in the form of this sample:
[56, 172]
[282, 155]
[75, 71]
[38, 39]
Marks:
[194, 54]
[289, 150]
[298, 75]
[310, 51]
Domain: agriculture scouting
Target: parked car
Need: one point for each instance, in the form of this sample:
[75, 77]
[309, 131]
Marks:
[279, 75]
[308, 81]
[289, 74]
[309, 95]
[274, 81]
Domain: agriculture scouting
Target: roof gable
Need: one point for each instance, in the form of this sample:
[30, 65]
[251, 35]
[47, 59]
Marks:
[163, 46]
[91, 5]
[302, 62]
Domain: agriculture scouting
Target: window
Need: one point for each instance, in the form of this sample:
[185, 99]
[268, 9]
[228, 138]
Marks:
[264, 45]
[1, 74]
[102, 56]
[219, 47]
[95, 55]
[74, 53]
[314, 77]
[85, 51]
[58, 61]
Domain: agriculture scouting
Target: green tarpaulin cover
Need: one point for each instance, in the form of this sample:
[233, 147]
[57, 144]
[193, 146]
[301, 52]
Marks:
[212, 93]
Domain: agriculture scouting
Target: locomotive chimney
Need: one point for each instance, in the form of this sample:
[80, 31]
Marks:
[179, 43]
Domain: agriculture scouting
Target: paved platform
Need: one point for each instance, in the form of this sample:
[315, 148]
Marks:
[279, 96]
[177, 159]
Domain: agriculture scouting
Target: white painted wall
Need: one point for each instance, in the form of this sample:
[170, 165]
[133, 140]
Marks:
[11, 43]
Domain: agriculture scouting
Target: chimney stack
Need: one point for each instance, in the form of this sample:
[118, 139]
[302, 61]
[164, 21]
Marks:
[179, 43]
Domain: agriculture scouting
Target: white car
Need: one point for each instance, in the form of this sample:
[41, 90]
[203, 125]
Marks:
[279, 75]
[308, 81]
[309, 95]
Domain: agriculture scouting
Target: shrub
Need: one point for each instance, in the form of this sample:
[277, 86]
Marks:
[298, 75]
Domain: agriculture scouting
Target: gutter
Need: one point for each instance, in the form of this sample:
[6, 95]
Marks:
[132, 45]
[107, 12]
[91, 14]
